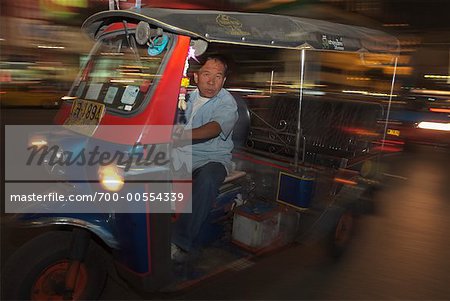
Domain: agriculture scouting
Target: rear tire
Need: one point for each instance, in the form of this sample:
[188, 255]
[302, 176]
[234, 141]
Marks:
[341, 235]
[331, 232]
[36, 271]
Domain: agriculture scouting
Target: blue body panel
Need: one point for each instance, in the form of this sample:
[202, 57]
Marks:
[125, 233]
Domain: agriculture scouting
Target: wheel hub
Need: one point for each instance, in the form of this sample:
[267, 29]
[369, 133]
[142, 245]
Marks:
[50, 284]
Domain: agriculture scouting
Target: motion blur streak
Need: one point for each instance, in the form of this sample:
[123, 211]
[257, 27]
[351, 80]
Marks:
[434, 126]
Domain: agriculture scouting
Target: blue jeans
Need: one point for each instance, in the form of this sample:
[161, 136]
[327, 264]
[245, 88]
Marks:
[206, 181]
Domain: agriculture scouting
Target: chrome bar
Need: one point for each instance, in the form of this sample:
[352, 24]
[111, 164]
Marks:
[299, 124]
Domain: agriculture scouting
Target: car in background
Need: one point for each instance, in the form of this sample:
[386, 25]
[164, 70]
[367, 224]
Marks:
[425, 120]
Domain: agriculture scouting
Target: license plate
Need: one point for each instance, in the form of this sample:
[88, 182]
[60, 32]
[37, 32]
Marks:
[86, 114]
[393, 132]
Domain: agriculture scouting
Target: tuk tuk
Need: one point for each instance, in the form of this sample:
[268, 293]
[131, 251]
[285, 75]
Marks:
[313, 100]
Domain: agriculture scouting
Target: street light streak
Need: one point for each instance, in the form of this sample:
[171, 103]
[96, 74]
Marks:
[50, 47]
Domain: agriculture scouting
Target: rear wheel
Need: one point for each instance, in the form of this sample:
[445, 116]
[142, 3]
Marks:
[332, 231]
[39, 269]
[341, 236]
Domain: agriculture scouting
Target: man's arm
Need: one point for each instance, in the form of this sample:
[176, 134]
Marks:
[207, 131]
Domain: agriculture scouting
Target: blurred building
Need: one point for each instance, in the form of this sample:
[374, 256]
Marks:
[422, 28]
[40, 48]
[42, 45]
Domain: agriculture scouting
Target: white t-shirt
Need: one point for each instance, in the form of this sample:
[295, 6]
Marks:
[197, 104]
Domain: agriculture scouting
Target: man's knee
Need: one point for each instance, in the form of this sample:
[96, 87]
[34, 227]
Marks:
[212, 172]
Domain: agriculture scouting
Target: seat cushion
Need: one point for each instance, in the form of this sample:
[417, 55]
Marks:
[235, 174]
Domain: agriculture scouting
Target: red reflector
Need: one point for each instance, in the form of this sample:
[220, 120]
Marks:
[439, 110]
[393, 142]
[345, 181]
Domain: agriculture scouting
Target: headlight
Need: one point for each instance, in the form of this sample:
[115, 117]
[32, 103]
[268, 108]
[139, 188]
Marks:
[438, 126]
[111, 178]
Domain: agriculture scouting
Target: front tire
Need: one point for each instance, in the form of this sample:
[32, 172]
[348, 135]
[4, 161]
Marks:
[37, 270]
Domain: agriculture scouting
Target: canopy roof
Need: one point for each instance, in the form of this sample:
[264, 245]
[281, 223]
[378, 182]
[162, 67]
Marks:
[253, 29]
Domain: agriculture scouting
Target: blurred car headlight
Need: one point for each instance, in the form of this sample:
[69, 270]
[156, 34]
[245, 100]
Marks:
[111, 178]
[438, 126]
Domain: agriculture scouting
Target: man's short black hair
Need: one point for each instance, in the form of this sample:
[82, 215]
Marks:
[217, 57]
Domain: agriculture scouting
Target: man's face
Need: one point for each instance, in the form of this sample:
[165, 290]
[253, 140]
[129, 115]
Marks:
[210, 78]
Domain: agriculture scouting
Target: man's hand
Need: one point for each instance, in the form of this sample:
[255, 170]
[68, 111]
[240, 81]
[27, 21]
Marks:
[182, 137]
[179, 136]
[178, 130]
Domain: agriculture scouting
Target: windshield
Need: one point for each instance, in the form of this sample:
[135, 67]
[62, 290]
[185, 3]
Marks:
[119, 73]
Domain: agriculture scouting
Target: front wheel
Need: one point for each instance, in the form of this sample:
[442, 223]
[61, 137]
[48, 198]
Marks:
[37, 270]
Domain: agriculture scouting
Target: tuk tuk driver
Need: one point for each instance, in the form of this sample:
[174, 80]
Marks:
[210, 118]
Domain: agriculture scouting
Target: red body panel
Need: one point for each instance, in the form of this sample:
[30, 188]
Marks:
[160, 110]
